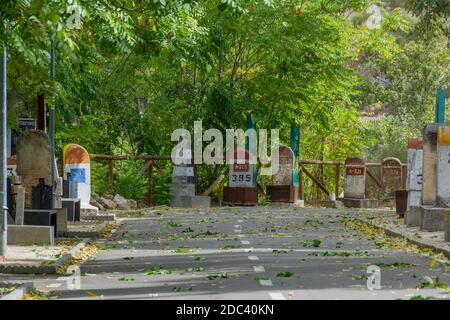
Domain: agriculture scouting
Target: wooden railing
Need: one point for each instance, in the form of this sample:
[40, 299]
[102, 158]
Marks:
[147, 168]
[303, 171]
[322, 185]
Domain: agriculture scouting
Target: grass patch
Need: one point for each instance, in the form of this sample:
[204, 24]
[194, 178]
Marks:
[195, 269]
[285, 274]
[395, 265]
[231, 246]
[199, 258]
[219, 276]
[339, 254]
[311, 243]
[127, 279]
[7, 288]
[38, 295]
[419, 297]
[156, 271]
[277, 252]
[174, 224]
[185, 250]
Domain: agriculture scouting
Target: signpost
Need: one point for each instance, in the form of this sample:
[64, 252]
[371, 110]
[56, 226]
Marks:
[241, 188]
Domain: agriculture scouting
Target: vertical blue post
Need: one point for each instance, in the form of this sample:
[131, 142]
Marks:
[440, 107]
[4, 161]
[295, 147]
[250, 144]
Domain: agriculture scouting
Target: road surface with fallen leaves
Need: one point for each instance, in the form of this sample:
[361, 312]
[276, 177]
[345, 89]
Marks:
[252, 253]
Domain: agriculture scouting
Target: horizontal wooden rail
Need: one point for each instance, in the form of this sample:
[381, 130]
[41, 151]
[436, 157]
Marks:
[127, 157]
[334, 163]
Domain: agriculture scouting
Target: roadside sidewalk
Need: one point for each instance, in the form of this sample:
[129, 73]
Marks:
[395, 226]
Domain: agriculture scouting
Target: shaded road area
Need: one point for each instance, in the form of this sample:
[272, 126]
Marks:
[252, 253]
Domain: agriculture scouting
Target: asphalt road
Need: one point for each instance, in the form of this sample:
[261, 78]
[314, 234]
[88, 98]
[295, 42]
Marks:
[250, 253]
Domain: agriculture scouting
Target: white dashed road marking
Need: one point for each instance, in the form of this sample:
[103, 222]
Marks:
[276, 296]
[54, 285]
[266, 283]
[259, 269]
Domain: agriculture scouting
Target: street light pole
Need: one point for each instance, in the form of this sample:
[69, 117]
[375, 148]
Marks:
[4, 162]
[52, 124]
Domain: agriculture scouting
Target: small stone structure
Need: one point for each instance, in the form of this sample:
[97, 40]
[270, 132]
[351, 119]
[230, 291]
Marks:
[33, 161]
[77, 168]
[242, 189]
[355, 185]
[182, 191]
[283, 187]
[414, 181]
[433, 212]
[391, 177]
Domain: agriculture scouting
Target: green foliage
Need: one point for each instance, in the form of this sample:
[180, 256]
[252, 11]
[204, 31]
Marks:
[128, 183]
[134, 72]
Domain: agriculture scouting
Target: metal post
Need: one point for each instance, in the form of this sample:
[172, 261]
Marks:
[440, 107]
[4, 211]
[52, 125]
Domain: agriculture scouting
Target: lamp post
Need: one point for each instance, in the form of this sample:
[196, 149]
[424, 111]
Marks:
[3, 173]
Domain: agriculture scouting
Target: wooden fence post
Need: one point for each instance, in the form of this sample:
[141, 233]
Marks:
[337, 179]
[300, 183]
[150, 184]
[110, 173]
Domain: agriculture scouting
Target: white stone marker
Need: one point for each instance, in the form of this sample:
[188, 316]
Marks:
[241, 172]
[414, 178]
[443, 167]
[77, 162]
[355, 178]
[392, 176]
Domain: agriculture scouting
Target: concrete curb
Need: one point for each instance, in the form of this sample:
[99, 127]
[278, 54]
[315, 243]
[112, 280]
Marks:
[421, 243]
[48, 269]
[18, 293]
[88, 234]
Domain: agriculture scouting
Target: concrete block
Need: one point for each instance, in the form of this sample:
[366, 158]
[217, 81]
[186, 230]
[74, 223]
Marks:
[61, 222]
[20, 205]
[447, 225]
[200, 202]
[432, 218]
[182, 189]
[31, 234]
[180, 201]
[360, 203]
[413, 218]
[191, 201]
[88, 210]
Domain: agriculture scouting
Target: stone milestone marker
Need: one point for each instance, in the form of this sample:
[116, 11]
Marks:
[436, 183]
[443, 177]
[429, 184]
[355, 184]
[282, 188]
[443, 167]
[241, 188]
[182, 192]
[414, 181]
[33, 161]
[77, 166]
[391, 177]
